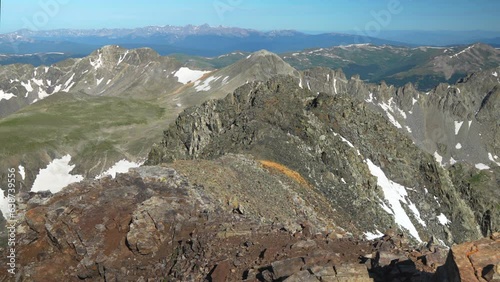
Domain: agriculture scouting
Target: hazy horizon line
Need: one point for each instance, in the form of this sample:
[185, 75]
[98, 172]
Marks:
[311, 32]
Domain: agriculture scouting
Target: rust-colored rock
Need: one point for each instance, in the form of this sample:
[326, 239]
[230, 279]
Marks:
[471, 261]
[221, 272]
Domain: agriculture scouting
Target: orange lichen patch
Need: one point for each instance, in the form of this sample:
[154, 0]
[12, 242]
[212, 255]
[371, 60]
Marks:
[286, 171]
[472, 251]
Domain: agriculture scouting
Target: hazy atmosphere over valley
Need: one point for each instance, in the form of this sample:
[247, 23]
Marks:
[239, 140]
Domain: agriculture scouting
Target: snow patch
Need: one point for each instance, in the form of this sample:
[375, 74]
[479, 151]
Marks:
[443, 220]
[495, 74]
[335, 85]
[393, 120]
[395, 194]
[69, 84]
[458, 146]
[373, 236]
[100, 80]
[346, 141]
[458, 125]
[98, 62]
[438, 158]
[415, 211]
[493, 159]
[401, 112]
[42, 94]
[452, 161]
[414, 101]
[56, 176]
[22, 172]
[38, 82]
[370, 98]
[4, 205]
[461, 52]
[122, 57]
[120, 167]
[28, 87]
[388, 110]
[186, 75]
[205, 86]
[6, 96]
[482, 167]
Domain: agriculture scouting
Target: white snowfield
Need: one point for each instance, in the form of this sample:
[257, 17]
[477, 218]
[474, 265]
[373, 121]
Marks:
[120, 167]
[395, 194]
[6, 96]
[186, 75]
[56, 176]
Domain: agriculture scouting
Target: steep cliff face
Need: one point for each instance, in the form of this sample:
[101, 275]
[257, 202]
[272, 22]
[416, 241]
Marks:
[366, 169]
[457, 124]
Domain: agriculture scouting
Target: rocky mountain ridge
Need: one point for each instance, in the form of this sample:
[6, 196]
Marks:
[334, 145]
[109, 71]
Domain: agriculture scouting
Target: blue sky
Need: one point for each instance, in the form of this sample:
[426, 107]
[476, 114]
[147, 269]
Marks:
[311, 15]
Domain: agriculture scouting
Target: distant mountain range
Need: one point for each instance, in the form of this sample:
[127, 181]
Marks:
[206, 40]
[442, 38]
[194, 40]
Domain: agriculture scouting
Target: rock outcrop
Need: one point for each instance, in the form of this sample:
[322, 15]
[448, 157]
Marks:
[472, 261]
[154, 224]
